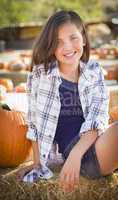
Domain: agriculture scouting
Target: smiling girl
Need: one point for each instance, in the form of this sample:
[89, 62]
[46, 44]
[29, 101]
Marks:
[68, 106]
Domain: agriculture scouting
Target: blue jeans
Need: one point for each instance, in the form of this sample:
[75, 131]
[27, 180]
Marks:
[89, 164]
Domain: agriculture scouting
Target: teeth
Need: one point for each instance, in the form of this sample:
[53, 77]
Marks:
[70, 54]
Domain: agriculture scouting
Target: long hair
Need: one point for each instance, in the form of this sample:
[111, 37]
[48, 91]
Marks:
[46, 43]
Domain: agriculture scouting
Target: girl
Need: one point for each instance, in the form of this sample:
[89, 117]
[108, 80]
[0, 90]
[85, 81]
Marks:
[68, 105]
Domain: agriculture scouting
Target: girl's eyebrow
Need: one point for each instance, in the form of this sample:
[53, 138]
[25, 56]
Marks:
[73, 34]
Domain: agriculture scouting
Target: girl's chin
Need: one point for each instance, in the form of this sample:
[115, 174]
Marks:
[70, 62]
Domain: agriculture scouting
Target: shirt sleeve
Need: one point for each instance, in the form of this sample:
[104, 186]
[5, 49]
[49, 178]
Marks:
[98, 109]
[32, 83]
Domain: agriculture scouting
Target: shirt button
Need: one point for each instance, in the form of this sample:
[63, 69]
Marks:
[44, 155]
[57, 97]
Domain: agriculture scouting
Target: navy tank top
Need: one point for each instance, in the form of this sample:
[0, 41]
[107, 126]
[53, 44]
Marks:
[71, 114]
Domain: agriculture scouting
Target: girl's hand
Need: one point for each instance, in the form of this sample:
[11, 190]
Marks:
[69, 175]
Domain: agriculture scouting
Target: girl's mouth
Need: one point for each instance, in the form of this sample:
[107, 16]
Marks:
[69, 55]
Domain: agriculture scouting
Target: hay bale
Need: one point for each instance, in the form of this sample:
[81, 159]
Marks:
[101, 189]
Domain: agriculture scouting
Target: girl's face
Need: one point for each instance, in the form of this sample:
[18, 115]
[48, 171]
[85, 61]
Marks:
[70, 45]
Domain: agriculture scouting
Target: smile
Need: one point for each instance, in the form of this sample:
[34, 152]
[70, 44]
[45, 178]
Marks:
[69, 55]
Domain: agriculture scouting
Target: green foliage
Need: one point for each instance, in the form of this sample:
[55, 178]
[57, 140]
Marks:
[89, 10]
[16, 11]
[13, 12]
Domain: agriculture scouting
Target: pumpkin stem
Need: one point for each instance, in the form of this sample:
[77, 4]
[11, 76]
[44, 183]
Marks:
[5, 106]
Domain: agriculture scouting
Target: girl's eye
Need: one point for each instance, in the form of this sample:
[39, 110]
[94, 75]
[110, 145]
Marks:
[74, 38]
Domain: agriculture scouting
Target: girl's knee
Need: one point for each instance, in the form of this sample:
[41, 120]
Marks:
[112, 132]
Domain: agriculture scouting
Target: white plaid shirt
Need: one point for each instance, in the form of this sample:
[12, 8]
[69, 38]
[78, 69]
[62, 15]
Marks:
[44, 106]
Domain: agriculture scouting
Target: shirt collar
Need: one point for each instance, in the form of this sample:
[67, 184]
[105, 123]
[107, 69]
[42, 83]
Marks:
[54, 69]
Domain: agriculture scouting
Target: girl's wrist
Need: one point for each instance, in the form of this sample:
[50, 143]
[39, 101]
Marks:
[75, 152]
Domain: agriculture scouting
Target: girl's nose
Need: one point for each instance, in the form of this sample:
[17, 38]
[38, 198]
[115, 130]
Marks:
[67, 45]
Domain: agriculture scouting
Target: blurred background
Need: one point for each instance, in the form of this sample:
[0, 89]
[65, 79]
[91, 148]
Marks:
[21, 22]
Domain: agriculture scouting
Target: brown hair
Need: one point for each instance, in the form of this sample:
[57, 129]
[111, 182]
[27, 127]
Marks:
[46, 43]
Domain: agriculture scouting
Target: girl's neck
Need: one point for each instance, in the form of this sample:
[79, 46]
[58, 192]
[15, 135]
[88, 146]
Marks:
[70, 73]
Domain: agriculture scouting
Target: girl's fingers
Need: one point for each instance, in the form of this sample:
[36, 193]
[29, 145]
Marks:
[66, 181]
[76, 178]
[73, 182]
[62, 178]
[68, 184]
[69, 179]
[21, 172]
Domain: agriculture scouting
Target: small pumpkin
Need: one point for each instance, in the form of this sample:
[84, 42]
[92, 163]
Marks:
[21, 87]
[112, 73]
[7, 83]
[114, 114]
[1, 64]
[17, 65]
[14, 147]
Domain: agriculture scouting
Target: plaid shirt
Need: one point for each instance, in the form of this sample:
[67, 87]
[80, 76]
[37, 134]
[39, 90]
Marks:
[44, 105]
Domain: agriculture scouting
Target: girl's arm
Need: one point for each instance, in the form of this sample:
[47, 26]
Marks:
[84, 143]
[32, 84]
[69, 175]
[97, 105]
[36, 154]
[32, 133]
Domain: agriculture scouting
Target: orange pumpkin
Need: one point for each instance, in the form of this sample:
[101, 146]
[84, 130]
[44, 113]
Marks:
[8, 83]
[20, 88]
[14, 147]
[114, 114]
[112, 73]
